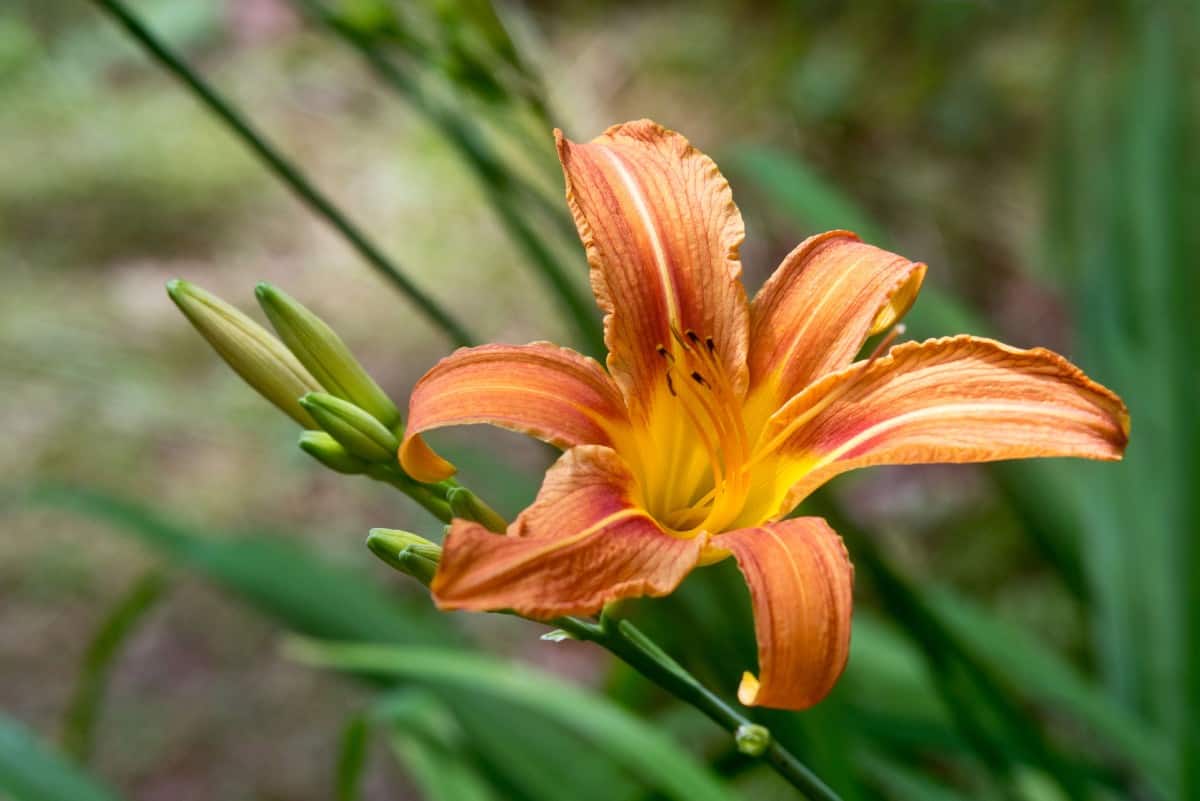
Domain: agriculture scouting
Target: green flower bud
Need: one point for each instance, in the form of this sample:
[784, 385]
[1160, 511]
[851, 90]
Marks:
[261, 360]
[325, 354]
[469, 506]
[358, 432]
[408, 553]
[329, 452]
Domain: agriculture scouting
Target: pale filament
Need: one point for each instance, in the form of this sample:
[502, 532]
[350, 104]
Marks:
[699, 381]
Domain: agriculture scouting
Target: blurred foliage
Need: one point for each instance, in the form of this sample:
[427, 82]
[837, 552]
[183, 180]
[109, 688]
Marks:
[79, 722]
[30, 771]
[1023, 632]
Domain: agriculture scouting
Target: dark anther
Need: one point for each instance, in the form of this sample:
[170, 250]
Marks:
[693, 337]
[662, 351]
[708, 343]
[699, 379]
[670, 385]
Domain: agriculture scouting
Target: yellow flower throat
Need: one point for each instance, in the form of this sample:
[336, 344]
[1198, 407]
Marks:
[706, 457]
[698, 445]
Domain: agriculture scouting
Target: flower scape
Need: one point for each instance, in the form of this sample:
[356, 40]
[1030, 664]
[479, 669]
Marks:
[714, 418]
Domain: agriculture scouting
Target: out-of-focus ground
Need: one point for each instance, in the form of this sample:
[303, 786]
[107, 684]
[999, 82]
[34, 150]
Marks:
[113, 180]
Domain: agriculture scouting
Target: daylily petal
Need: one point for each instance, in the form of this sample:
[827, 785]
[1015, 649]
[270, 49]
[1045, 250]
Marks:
[801, 583]
[957, 399]
[813, 314]
[583, 543]
[662, 236]
[551, 393]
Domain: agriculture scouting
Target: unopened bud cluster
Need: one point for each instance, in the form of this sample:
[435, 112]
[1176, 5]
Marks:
[259, 358]
[309, 373]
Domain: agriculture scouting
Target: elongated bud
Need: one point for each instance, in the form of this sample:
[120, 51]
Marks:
[259, 358]
[408, 553]
[325, 355]
[329, 452]
[358, 432]
[469, 506]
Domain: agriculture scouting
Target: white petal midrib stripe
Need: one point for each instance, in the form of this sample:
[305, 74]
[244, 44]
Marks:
[965, 409]
[648, 222]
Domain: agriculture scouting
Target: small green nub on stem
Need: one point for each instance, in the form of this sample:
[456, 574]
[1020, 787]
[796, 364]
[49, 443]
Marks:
[752, 739]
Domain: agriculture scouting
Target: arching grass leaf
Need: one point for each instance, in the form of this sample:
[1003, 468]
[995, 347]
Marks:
[647, 754]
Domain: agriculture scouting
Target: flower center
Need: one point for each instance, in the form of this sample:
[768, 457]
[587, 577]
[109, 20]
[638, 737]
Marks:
[700, 455]
[703, 444]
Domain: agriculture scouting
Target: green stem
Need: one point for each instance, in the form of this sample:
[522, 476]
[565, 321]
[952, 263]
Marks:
[629, 644]
[502, 186]
[634, 648]
[286, 171]
[430, 496]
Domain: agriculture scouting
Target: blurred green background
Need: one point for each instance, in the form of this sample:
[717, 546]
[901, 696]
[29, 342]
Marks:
[1024, 632]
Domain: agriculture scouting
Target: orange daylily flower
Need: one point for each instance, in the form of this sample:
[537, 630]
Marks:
[717, 415]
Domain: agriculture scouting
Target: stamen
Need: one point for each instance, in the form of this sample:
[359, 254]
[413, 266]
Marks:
[886, 342]
[712, 409]
[714, 414]
[688, 399]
